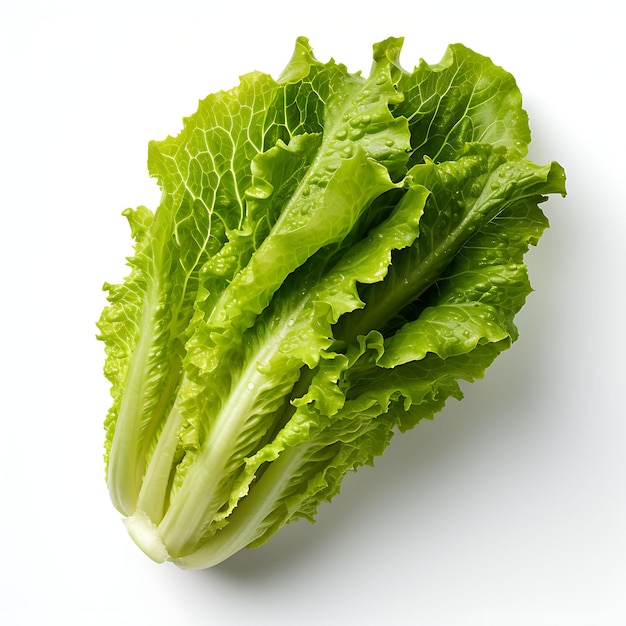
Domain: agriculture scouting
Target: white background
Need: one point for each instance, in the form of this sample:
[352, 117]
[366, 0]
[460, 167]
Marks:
[508, 509]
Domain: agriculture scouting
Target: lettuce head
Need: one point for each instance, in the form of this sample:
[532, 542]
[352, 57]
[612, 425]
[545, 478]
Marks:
[331, 255]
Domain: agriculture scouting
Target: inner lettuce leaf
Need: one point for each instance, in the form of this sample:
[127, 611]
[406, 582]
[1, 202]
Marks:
[331, 255]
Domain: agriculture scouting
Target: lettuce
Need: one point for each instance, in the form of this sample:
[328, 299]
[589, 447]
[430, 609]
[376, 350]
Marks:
[331, 255]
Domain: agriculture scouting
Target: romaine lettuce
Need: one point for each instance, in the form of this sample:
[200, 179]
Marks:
[331, 255]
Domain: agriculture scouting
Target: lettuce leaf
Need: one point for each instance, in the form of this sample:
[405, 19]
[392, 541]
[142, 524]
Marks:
[331, 255]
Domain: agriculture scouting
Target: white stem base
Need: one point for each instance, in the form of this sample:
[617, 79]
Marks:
[146, 535]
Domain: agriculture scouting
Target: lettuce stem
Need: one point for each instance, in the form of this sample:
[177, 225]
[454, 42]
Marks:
[153, 493]
[122, 476]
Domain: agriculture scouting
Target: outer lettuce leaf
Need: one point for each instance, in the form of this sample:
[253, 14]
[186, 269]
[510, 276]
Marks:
[467, 194]
[332, 254]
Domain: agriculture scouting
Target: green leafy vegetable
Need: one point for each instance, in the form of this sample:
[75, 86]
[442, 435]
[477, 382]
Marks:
[331, 255]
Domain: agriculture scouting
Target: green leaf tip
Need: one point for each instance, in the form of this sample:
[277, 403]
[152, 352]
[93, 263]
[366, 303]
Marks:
[389, 50]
